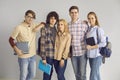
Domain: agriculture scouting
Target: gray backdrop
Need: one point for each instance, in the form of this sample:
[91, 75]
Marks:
[12, 13]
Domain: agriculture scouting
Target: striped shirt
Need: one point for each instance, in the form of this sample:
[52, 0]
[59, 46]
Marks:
[78, 31]
[47, 41]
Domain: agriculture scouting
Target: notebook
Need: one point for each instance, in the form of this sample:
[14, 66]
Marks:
[22, 46]
[90, 41]
[44, 67]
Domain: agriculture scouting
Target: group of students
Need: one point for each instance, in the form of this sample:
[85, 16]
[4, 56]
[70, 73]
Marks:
[59, 40]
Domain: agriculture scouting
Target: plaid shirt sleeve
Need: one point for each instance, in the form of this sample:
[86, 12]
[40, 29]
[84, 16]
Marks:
[42, 45]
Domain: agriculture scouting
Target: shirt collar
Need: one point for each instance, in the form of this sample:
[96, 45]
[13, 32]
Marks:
[61, 34]
[92, 27]
[24, 24]
[78, 20]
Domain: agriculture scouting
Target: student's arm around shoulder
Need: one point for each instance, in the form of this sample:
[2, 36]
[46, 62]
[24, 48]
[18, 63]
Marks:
[38, 27]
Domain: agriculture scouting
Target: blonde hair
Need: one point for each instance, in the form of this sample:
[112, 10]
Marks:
[93, 13]
[66, 30]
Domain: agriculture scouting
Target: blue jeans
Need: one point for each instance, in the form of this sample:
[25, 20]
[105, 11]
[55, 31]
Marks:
[60, 70]
[79, 66]
[51, 62]
[95, 64]
[27, 68]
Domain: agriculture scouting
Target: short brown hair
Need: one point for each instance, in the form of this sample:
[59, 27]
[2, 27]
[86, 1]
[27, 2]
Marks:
[31, 12]
[73, 7]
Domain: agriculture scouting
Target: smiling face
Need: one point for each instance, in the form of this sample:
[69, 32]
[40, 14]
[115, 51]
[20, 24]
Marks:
[92, 20]
[74, 14]
[29, 18]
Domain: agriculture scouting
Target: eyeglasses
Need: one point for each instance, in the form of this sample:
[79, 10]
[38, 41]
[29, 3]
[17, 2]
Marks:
[30, 17]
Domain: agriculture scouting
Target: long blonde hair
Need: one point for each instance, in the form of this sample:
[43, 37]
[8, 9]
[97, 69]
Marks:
[66, 30]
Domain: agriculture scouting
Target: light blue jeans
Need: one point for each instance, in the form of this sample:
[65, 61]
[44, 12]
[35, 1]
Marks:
[79, 66]
[95, 64]
[27, 68]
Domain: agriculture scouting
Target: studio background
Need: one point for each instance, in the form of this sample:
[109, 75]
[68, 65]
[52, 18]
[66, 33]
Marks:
[12, 13]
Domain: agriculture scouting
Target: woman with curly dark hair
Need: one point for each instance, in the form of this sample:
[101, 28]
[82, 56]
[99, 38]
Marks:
[47, 42]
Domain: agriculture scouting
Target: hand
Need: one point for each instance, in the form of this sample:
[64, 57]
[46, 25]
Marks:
[38, 27]
[44, 62]
[18, 51]
[85, 22]
[61, 63]
[89, 47]
[42, 24]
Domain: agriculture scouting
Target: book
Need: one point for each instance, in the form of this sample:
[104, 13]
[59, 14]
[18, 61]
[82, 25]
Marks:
[22, 46]
[44, 67]
[90, 41]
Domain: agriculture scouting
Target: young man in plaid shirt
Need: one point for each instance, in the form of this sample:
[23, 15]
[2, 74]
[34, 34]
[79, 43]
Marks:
[78, 30]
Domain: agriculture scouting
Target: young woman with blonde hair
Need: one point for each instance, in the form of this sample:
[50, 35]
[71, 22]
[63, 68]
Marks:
[62, 45]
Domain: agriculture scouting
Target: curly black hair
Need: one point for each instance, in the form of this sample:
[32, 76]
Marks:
[52, 14]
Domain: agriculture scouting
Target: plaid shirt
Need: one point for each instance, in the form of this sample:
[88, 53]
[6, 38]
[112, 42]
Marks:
[78, 31]
[47, 41]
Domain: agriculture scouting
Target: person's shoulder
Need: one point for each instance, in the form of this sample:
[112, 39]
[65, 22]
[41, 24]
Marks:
[69, 23]
[68, 35]
[82, 22]
[44, 28]
[100, 29]
[18, 26]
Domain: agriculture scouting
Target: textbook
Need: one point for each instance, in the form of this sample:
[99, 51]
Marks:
[90, 41]
[22, 46]
[44, 67]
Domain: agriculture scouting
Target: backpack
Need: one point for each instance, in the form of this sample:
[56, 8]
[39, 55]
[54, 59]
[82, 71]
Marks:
[105, 51]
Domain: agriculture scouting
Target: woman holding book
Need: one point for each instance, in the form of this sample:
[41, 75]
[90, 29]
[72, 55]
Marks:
[62, 45]
[95, 58]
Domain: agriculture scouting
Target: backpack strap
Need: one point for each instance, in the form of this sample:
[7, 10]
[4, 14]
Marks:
[98, 41]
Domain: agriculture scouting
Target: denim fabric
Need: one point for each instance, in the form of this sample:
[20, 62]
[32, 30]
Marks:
[27, 68]
[60, 70]
[79, 66]
[95, 64]
[51, 62]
